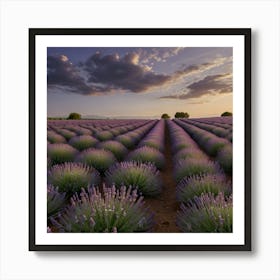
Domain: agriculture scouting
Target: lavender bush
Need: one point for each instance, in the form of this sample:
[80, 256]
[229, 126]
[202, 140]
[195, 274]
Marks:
[59, 153]
[192, 166]
[224, 158]
[67, 134]
[54, 137]
[155, 138]
[144, 177]
[147, 154]
[116, 210]
[189, 187]
[126, 140]
[206, 213]
[71, 177]
[100, 159]
[213, 144]
[186, 153]
[83, 142]
[55, 200]
[118, 149]
[104, 135]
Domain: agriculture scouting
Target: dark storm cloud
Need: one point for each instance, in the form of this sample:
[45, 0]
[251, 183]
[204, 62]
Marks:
[122, 73]
[210, 85]
[62, 74]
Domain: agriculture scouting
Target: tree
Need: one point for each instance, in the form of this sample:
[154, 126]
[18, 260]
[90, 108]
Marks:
[181, 115]
[226, 114]
[74, 116]
[165, 116]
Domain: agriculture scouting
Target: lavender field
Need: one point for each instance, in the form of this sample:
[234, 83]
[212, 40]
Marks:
[140, 175]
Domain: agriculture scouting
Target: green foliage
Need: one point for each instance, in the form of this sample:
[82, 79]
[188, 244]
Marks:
[192, 186]
[60, 153]
[226, 114]
[141, 176]
[206, 213]
[165, 116]
[98, 158]
[55, 201]
[74, 116]
[182, 115]
[110, 210]
[71, 177]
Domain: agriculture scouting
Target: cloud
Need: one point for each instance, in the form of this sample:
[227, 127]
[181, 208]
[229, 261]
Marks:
[158, 54]
[214, 84]
[200, 68]
[62, 74]
[122, 73]
[210, 85]
[104, 74]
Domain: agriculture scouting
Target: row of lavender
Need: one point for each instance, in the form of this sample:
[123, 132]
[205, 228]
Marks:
[63, 131]
[218, 148]
[203, 189]
[218, 131]
[75, 207]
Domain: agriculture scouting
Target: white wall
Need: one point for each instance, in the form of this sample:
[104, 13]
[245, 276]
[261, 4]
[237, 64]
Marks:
[17, 262]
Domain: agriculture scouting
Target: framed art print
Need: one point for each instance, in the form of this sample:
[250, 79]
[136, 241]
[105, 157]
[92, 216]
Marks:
[140, 139]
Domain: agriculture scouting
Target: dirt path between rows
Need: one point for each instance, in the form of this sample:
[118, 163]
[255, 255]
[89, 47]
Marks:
[165, 206]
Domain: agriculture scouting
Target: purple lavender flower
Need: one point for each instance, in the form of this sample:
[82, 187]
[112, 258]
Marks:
[104, 135]
[189, 187]
[206, 213]
[113, 210]
[118, 149]
[147, 154]
[155, 138]
[126, 140]
[186, 153]
[142, 176]
[67, 134]
[71, 177]
[83, 142]
[59, 153]
[224, 158]
[192, 166]
[209, 142]
[100, 159]
[54, 137]
[55, 200]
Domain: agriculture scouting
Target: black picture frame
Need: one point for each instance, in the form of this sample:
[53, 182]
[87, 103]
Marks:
[246, 32]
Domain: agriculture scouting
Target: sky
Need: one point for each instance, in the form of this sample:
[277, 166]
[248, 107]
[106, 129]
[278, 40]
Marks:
[139, 82]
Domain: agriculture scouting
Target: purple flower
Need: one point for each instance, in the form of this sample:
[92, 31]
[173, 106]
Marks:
[142, 176]
[192, 166]
[83, 142]
[112, 210]
[118, 149]
[189, 187]
[206, 213]
[71, 177]
[60, 153]
[55, 200]
[147, 154]
[155, 138]
[104, 135]
[224, 158]
[53, 137]
[100, 159]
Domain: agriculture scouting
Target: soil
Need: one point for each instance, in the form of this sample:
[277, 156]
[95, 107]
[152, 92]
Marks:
[165, 206]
